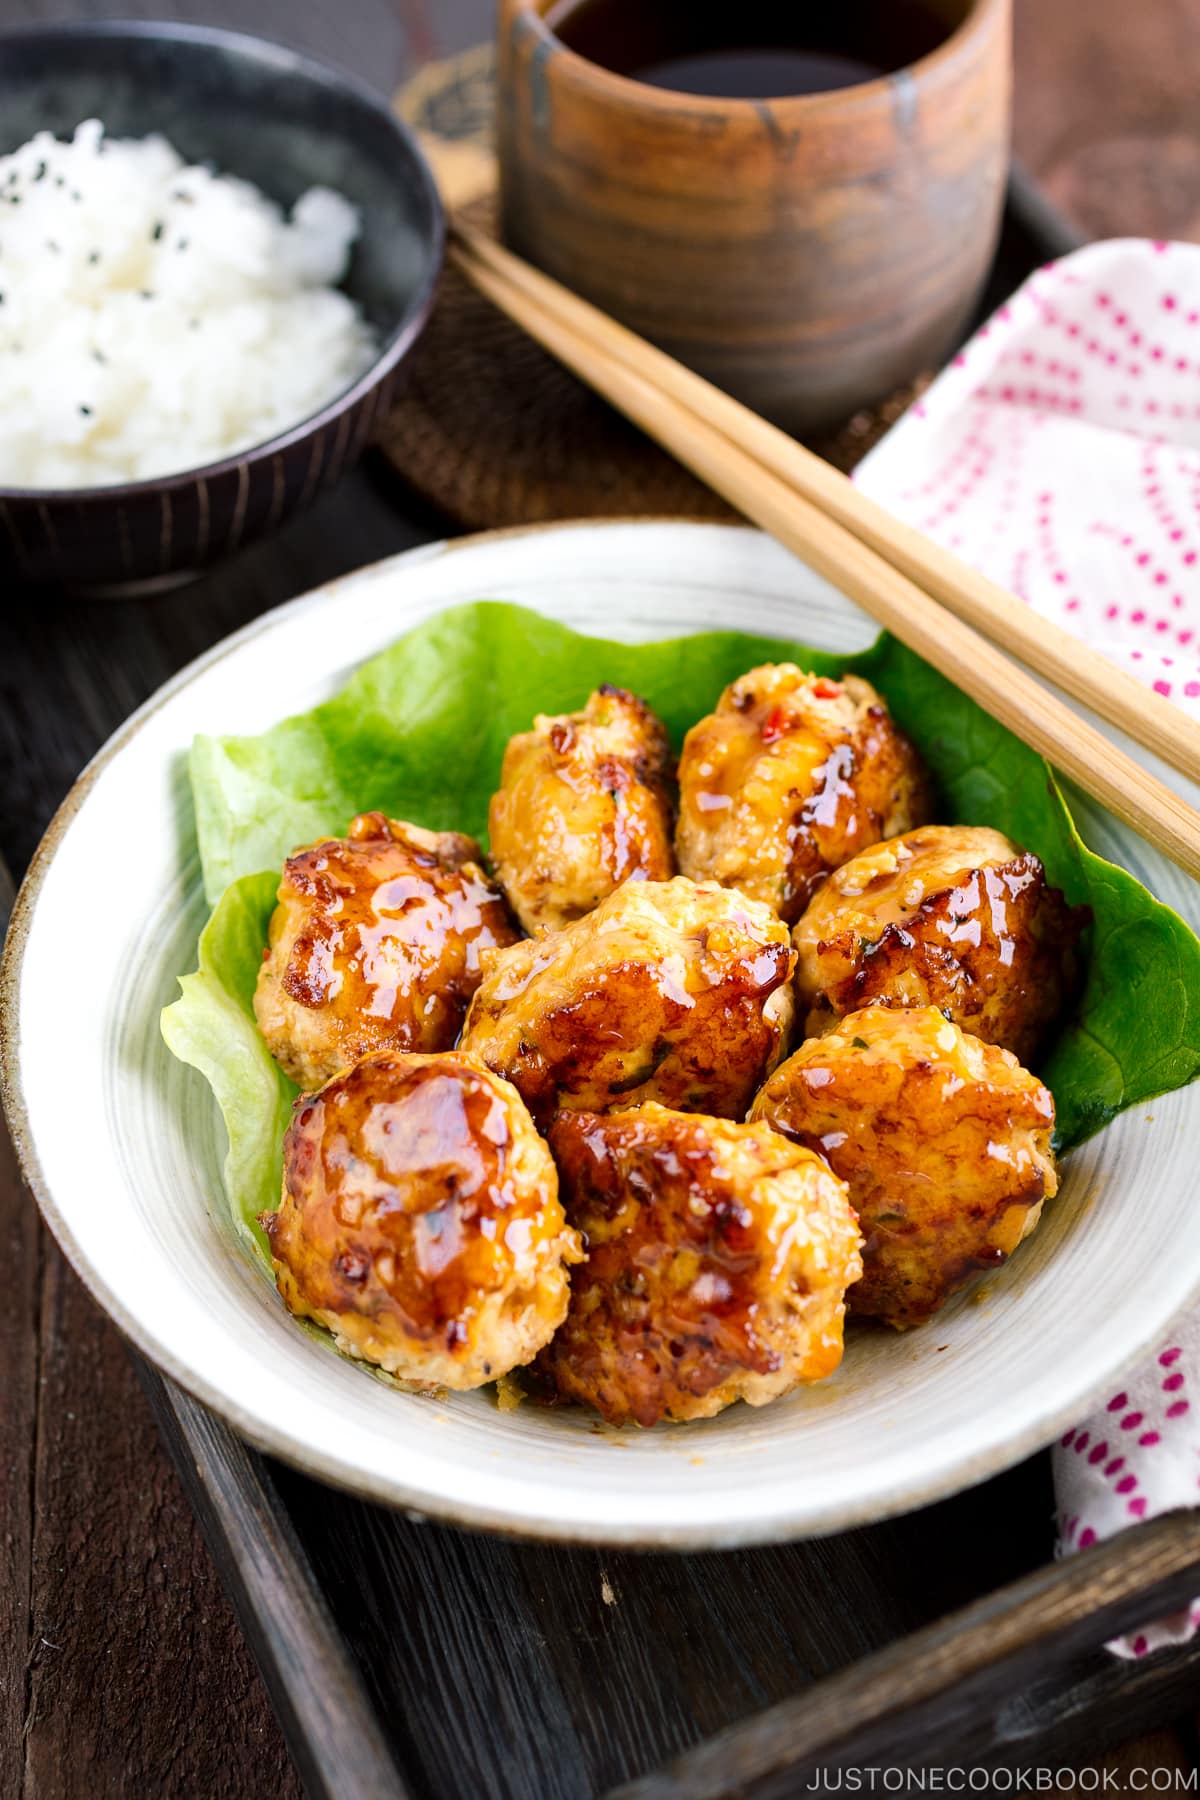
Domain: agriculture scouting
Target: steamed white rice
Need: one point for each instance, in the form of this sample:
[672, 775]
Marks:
[155, 316]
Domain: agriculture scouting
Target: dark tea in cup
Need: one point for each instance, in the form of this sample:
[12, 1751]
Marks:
[758, 50]
[800, 200]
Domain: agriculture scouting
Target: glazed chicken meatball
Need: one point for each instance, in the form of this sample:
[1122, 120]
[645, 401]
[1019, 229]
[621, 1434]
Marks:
[420, 1221]
[791, 775]
[583, 805]
[943, 1141]
[667, 991]
[718, 1258]
[951, 916]
[375, 944]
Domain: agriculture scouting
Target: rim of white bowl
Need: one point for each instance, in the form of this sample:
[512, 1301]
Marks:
[281, 1443]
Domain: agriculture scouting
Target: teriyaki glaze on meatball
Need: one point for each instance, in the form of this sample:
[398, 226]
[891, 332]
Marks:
[952, 916]
[583, 805]
[943, 1141]
[375, 944]
[667, 991]
[718, 1258]
[791, 775]
[420, 1221]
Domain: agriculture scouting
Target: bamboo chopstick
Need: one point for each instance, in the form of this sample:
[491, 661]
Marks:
[1046, 647]
[1002, 687]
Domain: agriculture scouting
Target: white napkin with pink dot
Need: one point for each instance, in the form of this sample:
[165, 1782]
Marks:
[1060, 454]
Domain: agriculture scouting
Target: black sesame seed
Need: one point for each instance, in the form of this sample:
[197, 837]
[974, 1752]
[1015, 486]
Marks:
[75, 194]
[39, 173]
[86, 411]
[99, 356]
[157, 232]
[182, 244]
[60, 181]
[93, 256]
[146, 293]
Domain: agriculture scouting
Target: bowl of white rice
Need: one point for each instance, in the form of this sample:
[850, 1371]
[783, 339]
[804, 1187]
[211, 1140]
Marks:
[214, 255]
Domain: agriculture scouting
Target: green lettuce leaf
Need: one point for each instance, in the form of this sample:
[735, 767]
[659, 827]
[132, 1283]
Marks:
[419, 731]
[211, 1026]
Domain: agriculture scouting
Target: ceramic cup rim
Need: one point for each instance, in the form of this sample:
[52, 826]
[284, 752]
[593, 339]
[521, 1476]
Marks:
[937, 66]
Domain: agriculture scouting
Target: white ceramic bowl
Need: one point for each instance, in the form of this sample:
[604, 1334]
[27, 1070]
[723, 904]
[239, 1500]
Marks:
[123, 1145]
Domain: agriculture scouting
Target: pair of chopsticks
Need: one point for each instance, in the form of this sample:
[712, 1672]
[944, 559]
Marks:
[937, 605]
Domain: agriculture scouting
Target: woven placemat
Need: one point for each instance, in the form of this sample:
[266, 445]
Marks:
[487, 427]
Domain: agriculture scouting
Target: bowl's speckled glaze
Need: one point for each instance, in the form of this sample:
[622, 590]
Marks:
[285, 122]
[131, 1183]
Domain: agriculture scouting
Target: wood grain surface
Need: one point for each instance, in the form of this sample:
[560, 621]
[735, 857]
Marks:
[122, 1670]
[859, 204]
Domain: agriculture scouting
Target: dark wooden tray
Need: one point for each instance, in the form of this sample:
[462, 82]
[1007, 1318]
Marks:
[405, 1658]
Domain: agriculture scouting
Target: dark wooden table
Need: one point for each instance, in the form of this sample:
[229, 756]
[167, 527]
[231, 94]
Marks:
[122, 1670]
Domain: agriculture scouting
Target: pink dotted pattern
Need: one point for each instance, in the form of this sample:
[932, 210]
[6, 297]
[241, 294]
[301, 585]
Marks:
[1139, 1455]
[1060, 453]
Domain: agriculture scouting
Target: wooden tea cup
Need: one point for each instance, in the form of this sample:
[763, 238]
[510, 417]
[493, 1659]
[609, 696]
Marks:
[809, 254]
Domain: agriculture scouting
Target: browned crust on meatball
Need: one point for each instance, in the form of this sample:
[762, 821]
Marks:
[420, 1220]
[944, 1142]
[375, 943]
[790, 776]
[666, 991]
[991, 945]
[584, 804]
[718, 1257]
